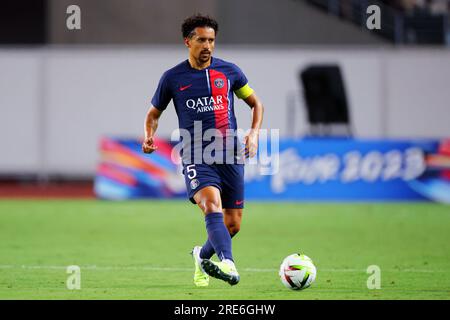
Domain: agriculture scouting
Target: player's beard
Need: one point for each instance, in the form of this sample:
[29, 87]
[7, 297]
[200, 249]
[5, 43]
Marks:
[204, 56]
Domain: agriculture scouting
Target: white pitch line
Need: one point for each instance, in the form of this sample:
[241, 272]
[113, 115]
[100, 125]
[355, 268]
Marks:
[151, 268]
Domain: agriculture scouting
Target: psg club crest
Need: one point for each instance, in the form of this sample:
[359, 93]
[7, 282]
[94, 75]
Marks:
[194, 184]
[218, 83]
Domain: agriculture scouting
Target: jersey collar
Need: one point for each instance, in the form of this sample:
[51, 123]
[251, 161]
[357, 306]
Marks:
[201, 70]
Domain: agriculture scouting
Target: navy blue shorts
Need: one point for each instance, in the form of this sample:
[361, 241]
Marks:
[228, 178]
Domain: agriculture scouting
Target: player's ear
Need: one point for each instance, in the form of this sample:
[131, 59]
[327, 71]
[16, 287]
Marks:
[187, 42]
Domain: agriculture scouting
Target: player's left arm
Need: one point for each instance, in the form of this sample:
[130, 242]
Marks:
[251, 140]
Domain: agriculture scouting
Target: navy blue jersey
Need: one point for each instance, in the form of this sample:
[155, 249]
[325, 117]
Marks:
[203, 95]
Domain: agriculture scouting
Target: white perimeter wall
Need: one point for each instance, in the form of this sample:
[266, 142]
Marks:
[57, 102]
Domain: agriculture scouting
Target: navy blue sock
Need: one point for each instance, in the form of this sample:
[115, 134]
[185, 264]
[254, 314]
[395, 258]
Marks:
[218, 235]
[208, 250]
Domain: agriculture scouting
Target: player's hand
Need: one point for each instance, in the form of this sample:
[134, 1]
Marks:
[148, 146]
[251, 144]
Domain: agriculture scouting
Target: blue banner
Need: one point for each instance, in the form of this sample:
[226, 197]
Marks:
[350, 170]
[295, 170]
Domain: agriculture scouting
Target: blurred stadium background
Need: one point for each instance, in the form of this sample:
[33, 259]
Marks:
[364, 115]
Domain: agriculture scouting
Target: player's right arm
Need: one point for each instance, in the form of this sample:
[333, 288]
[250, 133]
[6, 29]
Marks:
[160, 100]
[151, 124]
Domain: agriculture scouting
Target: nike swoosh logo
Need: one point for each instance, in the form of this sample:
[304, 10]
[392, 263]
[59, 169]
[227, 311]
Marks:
[238, 203]
[185, 87]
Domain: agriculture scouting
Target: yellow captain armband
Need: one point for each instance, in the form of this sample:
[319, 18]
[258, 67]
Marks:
[244, 92]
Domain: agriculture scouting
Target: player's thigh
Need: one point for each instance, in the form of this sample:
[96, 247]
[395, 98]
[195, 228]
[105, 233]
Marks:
[232, 181]
[199, 176]
[208, 199]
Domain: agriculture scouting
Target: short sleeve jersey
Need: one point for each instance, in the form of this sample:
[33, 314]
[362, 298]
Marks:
[203, 95]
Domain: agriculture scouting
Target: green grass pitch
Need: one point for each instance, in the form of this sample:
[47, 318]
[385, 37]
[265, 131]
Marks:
[140, 250]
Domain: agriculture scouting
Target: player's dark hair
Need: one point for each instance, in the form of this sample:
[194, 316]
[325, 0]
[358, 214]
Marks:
[198, 20]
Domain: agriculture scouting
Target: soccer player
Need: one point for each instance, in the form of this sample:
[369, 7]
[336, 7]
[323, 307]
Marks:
[201, 88]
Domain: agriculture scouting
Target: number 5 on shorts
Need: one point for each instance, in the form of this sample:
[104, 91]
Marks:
[191, 171]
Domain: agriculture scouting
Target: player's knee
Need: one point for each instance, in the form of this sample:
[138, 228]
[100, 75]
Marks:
[210, 206]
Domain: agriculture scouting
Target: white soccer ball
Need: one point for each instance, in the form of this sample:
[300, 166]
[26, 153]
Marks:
[297, 272]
